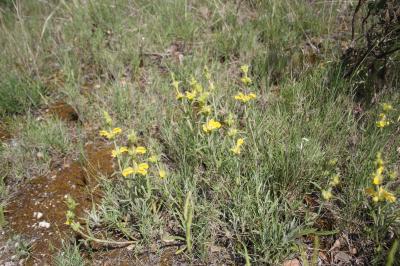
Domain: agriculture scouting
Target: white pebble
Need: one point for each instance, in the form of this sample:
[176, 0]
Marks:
[37, 215]
[44, 224]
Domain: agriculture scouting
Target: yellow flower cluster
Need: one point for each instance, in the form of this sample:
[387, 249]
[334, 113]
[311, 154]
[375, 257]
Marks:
[245, 79]
[118, 151]
[134, 152]
[384, 121]
[334, 181]
[211, 125]
[237, 147]
[377, 191]
[245, 97]
[111, 134]
[140, 169]
[199, 97]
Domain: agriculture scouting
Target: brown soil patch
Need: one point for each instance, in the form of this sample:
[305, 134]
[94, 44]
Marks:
[47, 194]
[125, 257]
[63, 111]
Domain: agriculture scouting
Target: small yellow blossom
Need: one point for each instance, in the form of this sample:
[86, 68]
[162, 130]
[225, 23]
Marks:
[387, 107]
[379, 161]
[244, 69]
[179, 95]
[162, 173]
[377, 179]
[335, 180]
[191, 95]
[388, 196]
[246, 80]
[104, 133]
[327, 194]
[383, 122]
[381, 194]
[116, 130]
[211, 125]
[141, 169]
[128, 171]
[140, 150]
[245, 97]
[110, 134]
[119, 151]
[237, 147]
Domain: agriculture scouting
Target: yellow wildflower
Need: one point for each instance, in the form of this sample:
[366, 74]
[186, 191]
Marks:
[246, 80]
[377, 179]
[211, 125]
[128, 171]
[244, 69]
[378, 161]
[383, 122]
[162, 173]
[116, 130]
[110, 134]
[140, 150]
[388, 196]
[381, 194]
[118, 151]
[191, 95]
[236, 148]
[141, 169]
[387, 107]
[179, 95]
[327, 194]
[335, 180]
[104, 133]
[245, 97]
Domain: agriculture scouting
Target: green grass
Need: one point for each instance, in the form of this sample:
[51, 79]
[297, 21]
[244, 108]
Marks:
[69, 255]
[35, 146]
[251, 206]
[18, 96]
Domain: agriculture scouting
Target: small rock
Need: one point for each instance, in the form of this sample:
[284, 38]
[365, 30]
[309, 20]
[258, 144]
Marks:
[44, 224]
[37, 215]
[40, 155]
